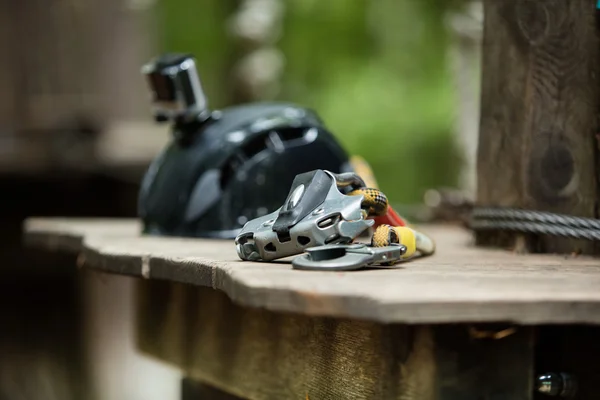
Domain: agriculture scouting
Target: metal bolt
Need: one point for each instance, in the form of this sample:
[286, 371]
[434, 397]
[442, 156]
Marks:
[556, 384]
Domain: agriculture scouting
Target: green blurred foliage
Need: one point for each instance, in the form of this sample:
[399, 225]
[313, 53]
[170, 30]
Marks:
[374, 70]
[199, 27]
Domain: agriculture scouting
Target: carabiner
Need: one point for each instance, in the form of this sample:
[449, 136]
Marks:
[347, 257]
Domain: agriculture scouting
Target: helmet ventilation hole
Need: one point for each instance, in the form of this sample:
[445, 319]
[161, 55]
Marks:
[289, 134]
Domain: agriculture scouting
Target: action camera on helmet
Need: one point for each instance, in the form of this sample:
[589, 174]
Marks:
[224, 167]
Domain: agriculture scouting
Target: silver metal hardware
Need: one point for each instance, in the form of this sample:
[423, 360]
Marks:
[175, 86]
[268, 223]
[347, 257]
[553, 384]
[339, 219]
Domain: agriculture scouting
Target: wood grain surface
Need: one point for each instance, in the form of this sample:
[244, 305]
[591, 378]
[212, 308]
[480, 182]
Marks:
[262, 355]
[538, 141]
[460, 283]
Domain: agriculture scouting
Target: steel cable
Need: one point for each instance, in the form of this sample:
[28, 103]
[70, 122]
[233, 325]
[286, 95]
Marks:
[539, 222]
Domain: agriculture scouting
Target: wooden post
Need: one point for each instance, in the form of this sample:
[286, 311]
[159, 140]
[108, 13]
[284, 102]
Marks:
[538, 144]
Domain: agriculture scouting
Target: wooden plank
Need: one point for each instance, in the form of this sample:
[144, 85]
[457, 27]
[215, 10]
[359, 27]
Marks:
[259, 354]
[540, 90]
[460, 283]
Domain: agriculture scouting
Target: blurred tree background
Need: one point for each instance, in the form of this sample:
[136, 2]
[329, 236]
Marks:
[76, 134]
[376, 72]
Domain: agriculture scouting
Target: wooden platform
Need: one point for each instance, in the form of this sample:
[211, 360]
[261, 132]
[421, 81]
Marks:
[440, 328]
[460, 283]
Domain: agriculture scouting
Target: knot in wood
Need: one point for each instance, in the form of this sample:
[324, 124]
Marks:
[552, 173]
[533, 19]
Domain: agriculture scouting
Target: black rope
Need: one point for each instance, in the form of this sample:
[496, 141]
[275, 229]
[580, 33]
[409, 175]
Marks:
[545, 223]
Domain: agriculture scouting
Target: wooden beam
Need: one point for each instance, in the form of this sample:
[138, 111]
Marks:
[539, 114]
[261, 355]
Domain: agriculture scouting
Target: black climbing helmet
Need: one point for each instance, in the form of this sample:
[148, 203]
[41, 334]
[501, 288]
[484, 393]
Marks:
[223, 168]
